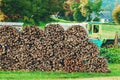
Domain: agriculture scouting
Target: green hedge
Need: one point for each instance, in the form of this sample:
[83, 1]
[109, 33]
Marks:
[111, 54]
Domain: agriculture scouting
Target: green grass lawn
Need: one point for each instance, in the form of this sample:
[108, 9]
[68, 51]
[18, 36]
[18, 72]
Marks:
[36, 75]
[52, 20]
[42, 24]
[109, 31]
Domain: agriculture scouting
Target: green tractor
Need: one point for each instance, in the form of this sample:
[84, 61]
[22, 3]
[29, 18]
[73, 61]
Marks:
[104, 35]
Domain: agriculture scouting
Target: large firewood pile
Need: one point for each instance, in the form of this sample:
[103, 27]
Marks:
[51, 49]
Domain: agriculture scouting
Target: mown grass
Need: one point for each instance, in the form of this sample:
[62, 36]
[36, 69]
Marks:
[42, 24]
[61, 20]
[37, 75]
[109, 31]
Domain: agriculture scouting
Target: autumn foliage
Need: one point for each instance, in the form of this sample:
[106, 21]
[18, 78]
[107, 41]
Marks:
[116, 14]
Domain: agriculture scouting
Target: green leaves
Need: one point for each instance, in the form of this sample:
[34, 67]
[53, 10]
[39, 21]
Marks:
[111, 54]
[38, 10]
[78, 16]
[15, 9]
[91, 6]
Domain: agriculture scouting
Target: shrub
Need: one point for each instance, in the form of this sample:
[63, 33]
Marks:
[111, 54]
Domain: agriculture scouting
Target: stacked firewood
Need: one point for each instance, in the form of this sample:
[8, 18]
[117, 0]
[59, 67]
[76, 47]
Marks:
[51, 49]
[9, 43]
[81, 52]
[31, 46]
[97, 64]
[54, 34]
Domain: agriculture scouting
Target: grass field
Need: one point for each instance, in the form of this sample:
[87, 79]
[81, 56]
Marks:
[109, 31]
[36, 75]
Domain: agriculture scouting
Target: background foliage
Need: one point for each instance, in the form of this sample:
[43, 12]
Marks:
[30, 10]
[116, 15]
[111, 54]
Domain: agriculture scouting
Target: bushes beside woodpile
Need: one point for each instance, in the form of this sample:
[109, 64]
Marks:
[51, 49]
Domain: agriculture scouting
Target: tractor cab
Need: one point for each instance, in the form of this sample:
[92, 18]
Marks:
[95, 30]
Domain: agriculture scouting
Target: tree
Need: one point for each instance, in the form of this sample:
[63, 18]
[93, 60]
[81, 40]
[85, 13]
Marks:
[84, 7]
[68, 11]
[38, 10]
[15, 9]
[78, 16]
[90, 6]
[96, 6]
[77, 13]
[72, 10]
[74, 5]
[45, 8]
[116, 15]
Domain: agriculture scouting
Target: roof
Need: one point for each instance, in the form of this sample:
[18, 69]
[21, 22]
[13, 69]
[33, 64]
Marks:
[95, 22]
[106, 15]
